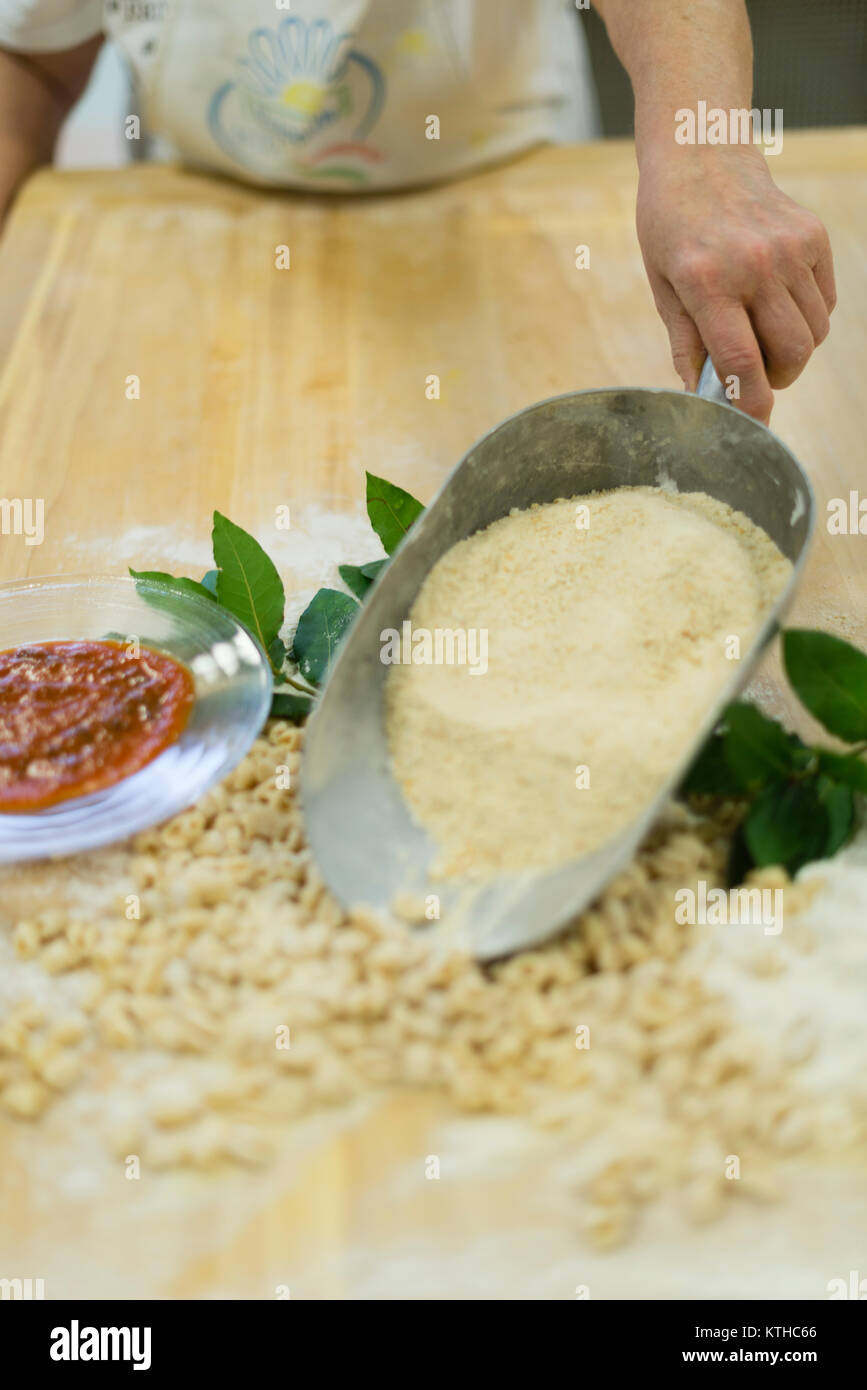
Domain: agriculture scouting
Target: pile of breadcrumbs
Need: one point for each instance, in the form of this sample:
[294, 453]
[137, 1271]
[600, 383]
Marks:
[206, 961]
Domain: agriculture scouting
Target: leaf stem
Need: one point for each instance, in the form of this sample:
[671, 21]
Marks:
[299, 683]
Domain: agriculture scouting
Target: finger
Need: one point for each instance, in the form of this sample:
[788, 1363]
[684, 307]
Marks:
[732, 346]
[783, 333]
[811, 302]
[823, 271]
[687, 349]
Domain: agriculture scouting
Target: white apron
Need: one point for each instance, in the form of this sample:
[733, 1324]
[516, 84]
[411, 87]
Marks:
[355, 94]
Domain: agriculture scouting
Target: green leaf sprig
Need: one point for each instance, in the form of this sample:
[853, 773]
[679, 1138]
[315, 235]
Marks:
[245, 581]
[324, 621]
[800, 799]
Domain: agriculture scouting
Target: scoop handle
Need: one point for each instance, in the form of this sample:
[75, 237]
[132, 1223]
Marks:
[709, 385]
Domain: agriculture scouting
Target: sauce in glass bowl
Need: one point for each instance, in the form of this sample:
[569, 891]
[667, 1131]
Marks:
[79, 716]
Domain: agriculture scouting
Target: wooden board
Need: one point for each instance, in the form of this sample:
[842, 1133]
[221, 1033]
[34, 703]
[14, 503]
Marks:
[262, 387]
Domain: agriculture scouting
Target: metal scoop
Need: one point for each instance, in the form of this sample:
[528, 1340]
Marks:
[365, 841]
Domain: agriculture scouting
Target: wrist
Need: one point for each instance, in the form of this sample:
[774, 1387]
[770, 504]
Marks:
[661, 156]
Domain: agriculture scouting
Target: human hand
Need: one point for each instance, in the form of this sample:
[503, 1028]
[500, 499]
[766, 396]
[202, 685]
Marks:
[738, 270]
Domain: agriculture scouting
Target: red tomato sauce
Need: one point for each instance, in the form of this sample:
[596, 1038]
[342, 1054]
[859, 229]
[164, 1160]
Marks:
[76, 717]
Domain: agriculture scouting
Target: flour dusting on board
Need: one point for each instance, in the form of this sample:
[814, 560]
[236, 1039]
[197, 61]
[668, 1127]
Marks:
[810, 985]
[308, 554]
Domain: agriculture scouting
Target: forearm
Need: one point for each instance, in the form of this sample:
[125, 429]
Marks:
[676, 54]
[36, 94]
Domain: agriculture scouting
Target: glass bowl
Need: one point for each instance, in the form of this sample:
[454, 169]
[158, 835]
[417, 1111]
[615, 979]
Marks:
[232, 697]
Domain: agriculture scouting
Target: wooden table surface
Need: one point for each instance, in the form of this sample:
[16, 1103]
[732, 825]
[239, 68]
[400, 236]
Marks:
[261, 387]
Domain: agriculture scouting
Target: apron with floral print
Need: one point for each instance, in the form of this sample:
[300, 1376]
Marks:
[355, 94]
